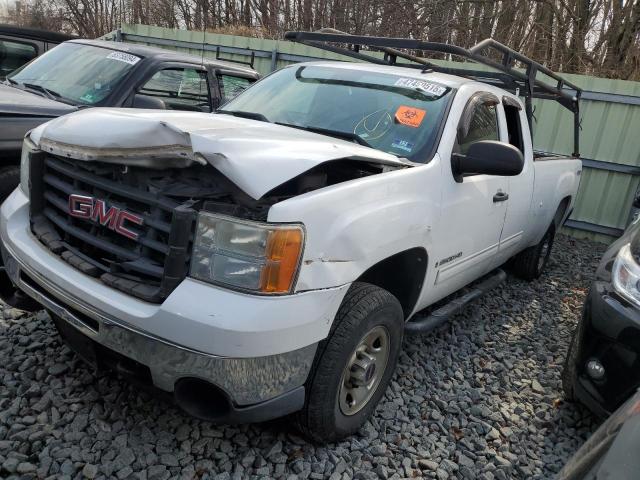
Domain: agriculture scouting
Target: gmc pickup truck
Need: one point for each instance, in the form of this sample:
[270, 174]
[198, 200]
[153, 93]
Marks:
[267, 259]
[80, 74]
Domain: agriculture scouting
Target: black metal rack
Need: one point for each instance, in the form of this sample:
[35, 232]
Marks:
[524, 82]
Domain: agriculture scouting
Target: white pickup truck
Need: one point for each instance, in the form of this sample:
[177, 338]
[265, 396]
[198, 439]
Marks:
[267, 259]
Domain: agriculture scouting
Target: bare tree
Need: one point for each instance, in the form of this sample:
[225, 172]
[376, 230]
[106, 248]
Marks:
[600, 37]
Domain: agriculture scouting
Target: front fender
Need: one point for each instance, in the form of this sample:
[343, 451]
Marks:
[354, 225]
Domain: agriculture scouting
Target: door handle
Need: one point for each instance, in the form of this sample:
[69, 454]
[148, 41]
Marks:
[500, 196]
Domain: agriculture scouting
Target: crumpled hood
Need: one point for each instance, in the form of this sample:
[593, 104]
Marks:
[18, 102]
[256, 156]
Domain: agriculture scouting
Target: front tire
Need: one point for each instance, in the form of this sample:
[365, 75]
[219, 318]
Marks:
[531, 262]
[354, 365]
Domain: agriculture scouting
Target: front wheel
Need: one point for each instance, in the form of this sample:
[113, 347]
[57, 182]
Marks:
[531, 262]
[354, 365]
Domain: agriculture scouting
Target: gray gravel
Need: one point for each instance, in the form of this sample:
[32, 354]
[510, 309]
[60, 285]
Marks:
[479, 398]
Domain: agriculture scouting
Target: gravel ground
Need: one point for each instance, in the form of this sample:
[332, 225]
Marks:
[479, 398]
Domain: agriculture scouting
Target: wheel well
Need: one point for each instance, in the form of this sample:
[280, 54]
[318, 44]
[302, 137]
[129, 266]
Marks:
[402, 275]
[561, 211]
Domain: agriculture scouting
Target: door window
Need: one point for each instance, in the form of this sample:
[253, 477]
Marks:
[230, 86]
[180, 89]
[479, 122]
[13, 55]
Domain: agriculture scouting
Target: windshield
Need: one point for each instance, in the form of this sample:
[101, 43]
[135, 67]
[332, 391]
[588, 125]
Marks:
[395, 114]
[75, 73]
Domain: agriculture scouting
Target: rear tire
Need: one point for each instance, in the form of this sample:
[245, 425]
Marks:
[354, 365]
[9, 180]
[531, 262]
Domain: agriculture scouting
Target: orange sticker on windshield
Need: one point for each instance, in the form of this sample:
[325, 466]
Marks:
[410, 116]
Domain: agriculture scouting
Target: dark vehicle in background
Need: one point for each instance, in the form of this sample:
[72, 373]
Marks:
[92, 73]
[19, 45]
[612, 451]
[602, 368]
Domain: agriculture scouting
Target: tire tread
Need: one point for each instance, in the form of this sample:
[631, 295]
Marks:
[361, 299]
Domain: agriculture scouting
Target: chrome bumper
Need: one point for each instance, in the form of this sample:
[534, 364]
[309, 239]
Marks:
[246, 381]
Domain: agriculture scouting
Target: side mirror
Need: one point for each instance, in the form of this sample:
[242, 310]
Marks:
[145, 101]
[488, 157]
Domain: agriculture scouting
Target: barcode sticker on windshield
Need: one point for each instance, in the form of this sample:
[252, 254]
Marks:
[124, 57]
[428, 87]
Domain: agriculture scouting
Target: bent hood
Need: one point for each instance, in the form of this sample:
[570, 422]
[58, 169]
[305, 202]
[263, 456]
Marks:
[256, 156]
[14, 101]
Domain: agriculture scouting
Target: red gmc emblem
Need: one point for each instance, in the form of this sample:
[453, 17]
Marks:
[94, 209]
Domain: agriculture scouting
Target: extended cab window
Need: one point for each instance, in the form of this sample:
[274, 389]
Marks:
[13, 55]
[180, 89]
[479, 122]
[230, 86]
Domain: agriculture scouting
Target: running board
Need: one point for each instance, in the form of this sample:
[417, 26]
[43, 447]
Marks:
[442, 314]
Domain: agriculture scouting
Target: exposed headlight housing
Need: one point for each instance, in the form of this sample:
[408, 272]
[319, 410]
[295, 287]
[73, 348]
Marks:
[257, 257]
[27, 147]
[626, 275]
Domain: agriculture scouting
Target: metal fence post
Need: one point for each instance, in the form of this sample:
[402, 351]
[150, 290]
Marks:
[274, 59]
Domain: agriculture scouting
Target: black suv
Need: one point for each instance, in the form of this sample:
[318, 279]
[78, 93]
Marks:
[602, 368]
[92, 73]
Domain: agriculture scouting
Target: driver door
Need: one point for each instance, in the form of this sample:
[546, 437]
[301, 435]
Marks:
[473, 208]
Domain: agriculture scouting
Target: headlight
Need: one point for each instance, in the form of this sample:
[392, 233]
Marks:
[626, 275]
[27, 148]
[254, 256]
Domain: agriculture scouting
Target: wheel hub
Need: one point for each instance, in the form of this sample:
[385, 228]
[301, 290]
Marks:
[364, 371]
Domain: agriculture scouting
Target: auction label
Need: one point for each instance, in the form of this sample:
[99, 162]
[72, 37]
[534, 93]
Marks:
[429, 87]
[124, 57]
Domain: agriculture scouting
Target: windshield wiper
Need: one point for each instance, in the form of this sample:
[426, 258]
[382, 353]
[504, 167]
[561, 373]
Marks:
[250, 115]
[49, 93]
[331, 133]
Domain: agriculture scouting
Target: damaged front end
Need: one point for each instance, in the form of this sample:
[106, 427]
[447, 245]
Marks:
[123, 207]
[133, 227]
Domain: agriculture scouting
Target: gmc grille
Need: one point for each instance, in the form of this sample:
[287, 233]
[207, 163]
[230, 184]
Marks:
[149, 267]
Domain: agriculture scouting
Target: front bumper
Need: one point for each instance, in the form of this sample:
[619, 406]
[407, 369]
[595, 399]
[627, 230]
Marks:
[609, 333]
[253, 348]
